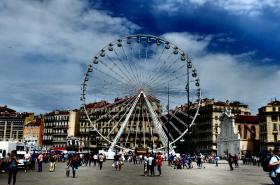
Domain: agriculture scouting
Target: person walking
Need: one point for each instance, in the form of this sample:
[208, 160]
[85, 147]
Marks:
[199, 161]
[74, 164]
[121, 161]
[274, 165]
[100, 160]
[217, 160]
[95, 158]
[230, 161]
[27, 160]
[235, 160]
[116, 161]
[151, 163]
[40, 162]
[159, 161]
[52, 162]
[13, 165]
[146, 171]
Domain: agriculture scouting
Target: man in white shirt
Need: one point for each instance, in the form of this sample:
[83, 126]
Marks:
[27, 158]
[151, 165]
[274, 165]
[95, 158]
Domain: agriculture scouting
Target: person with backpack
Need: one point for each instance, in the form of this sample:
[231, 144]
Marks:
[275, 167]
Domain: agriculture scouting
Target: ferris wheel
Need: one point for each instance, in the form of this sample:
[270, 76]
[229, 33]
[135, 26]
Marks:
[141, 91]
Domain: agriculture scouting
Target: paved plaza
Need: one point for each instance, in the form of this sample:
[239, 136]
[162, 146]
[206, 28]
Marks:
[133, 175]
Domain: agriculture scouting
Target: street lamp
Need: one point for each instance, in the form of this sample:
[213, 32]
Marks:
[168, 120]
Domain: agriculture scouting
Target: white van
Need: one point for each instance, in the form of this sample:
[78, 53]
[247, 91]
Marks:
[21, 150]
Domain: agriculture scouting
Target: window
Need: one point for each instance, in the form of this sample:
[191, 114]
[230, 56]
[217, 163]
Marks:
[245, 132]
[274, 127]
[253, 134]
[274, 118]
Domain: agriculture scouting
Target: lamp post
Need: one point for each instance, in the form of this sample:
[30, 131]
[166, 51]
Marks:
[188, 118]
[168, 120]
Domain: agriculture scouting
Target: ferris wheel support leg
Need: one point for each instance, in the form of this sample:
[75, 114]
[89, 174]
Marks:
[156, 123]
[111, 149]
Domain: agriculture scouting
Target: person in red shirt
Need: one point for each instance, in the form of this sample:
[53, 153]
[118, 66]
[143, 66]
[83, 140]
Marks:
[159, 162]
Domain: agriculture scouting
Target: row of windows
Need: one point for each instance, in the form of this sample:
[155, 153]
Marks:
[59, 139]
[11, 120]
[48, 131]
[275, 109]
[275, 118]
[53, 118]
[59, 145]
[56, 124]
[58, 131]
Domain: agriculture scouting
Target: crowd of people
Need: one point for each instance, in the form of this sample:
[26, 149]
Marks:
[150, 161]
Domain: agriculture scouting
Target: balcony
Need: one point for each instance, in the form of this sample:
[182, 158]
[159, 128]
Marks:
[60, 134]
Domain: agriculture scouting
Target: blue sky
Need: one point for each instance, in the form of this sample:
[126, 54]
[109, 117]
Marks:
[45, 46]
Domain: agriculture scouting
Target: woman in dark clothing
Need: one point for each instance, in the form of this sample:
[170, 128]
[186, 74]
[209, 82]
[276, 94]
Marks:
[13, 164]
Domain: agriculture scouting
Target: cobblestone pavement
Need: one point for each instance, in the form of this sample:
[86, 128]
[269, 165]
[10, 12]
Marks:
[133, 175]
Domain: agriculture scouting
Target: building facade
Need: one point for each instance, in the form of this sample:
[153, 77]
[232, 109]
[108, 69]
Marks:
[33, 132]
[59, 125]
[203, 134]
[239, 135]
[269, 125]
[107, 118]
[11, 124]
[55, 130]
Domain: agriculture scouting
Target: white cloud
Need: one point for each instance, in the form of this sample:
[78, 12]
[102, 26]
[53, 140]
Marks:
[192, 43]
[44, 45]
[233, 77]
[244, 7]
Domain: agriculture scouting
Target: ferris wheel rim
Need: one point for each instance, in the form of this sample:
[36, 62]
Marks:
[120, 40]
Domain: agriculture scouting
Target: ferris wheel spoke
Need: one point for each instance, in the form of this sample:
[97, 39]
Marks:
[129, 74]
[114, 117]
[180, 121]
[164, 78]
[167, 81]
[159, 69]
[120, 105]
[121, 79]
[163, 125]
[133, 62]
[115, 126]
[136, 129]
[129, 66]
[186, 115]
[173, 125]
[165, 72]
[131, 127]
[122, 74]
